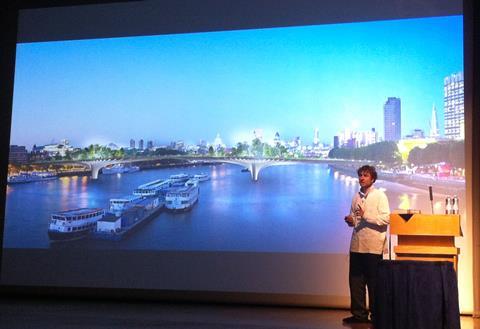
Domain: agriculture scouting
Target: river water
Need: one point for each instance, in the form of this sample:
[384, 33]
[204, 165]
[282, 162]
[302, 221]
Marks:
[291, 208]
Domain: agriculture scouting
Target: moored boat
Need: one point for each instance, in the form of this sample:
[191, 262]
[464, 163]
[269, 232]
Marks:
[201, 177]
[117, 205]
[119, 169]
[182, 198]
[29, 177]
[178, 179]
[154, 188]
[73, 224]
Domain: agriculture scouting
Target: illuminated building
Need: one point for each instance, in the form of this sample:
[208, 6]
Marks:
[58, 149]
[416, 134]
[17, 154]
[217, 143]
[453, 106]
[353, 139]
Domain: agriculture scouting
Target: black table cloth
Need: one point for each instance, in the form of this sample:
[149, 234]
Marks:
[416, 295]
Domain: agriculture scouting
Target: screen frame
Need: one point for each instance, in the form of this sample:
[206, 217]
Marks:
[209, 15]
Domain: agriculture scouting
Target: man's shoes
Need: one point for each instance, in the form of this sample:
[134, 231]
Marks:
[354, 319]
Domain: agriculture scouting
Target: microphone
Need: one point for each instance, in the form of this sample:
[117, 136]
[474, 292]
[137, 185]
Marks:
[430, 191]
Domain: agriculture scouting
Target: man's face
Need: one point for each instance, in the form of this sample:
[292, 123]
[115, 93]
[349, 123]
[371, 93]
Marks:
[365, 180]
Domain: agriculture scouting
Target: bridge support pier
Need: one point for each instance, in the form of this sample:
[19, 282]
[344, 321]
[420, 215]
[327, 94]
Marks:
[95, 172]
[254, 171]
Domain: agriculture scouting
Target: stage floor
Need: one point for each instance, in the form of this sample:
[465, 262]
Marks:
[69, 314]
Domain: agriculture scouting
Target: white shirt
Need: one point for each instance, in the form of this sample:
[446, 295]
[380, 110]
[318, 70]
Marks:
[369, 232]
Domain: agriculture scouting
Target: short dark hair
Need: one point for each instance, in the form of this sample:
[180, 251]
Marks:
[370, 169]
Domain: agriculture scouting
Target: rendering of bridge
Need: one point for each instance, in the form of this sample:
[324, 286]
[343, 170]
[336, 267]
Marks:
[254, 166]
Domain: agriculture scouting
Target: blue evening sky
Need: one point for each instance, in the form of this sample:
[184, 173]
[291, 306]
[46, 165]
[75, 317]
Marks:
[192, 86]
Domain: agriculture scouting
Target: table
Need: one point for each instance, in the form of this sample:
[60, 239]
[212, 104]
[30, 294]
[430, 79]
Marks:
[416, 295]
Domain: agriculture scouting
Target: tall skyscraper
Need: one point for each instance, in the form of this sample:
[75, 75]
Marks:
[434, 132]
[132, 143]
[140, 144]
[392, 119]
[336, 142]
[453, 106]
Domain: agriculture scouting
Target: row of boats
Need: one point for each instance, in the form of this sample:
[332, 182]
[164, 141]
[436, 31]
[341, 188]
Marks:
[38, 176]
[177, 193]
[28, 177]
[119, 168]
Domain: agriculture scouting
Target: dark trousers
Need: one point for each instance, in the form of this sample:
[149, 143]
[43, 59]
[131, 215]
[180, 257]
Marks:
[362, 275]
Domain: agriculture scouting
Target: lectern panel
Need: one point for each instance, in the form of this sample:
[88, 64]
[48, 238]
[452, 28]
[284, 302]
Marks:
[419, 224]
[426, 237]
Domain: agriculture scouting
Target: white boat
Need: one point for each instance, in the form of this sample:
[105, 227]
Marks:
[192, 182]
[179, 178]
[120, 204]
[201, 177]
[119, 169]
[182, 198]
[74, 224]
[157, 187]
[29, 177]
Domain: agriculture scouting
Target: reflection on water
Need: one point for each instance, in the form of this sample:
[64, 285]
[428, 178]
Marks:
[296, 208]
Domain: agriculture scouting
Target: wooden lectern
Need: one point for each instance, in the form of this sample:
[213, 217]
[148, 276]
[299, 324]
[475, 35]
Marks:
[426, 237]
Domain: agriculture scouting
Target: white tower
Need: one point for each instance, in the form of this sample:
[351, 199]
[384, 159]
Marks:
[434, 124]
[316, 138]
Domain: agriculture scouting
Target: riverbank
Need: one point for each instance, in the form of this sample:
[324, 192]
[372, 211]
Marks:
[143, 165]
[447, 186]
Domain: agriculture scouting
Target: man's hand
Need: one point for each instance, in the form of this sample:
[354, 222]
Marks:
[359, 211]
[349, 220]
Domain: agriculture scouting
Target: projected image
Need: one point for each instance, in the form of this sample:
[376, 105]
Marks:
[234, 140]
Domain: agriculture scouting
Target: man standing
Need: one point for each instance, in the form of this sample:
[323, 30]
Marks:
[369, 216]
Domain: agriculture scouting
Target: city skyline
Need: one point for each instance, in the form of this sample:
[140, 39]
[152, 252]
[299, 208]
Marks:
[192, 86]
